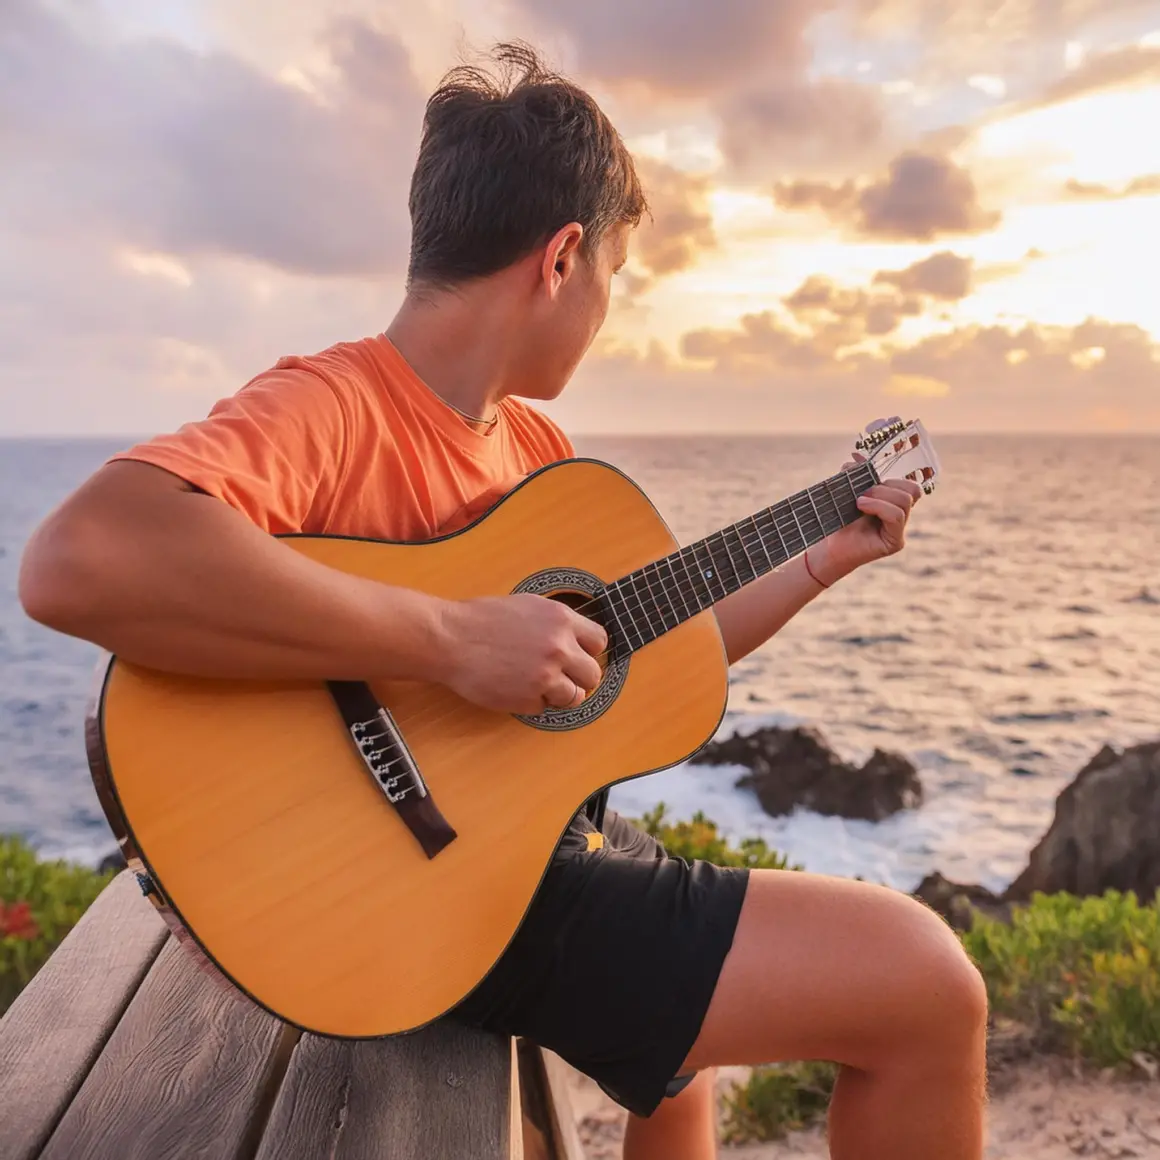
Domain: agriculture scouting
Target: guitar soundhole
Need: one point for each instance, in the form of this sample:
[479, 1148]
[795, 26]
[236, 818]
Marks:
[577, 589]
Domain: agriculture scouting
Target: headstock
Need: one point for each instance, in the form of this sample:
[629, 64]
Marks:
[901, 450]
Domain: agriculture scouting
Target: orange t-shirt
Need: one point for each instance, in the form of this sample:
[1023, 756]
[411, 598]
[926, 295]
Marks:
[352, 442]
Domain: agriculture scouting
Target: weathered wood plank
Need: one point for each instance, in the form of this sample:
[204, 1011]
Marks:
[443, 1093]
[56, 1028]
[565, 1137]
[515, 1113]
[183, 1075]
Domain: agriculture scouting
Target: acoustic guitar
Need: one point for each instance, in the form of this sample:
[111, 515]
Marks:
[356, 857]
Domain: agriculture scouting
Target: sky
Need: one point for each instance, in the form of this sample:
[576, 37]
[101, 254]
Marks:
[859, 207]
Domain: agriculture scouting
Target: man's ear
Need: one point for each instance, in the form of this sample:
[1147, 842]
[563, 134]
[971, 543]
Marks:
[560, 257]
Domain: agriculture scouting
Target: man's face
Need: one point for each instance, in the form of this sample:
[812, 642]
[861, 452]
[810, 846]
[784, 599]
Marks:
[567, 326]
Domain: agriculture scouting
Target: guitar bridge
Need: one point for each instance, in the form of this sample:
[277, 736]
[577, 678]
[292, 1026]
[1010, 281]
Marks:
[386, 757]
[383, 751]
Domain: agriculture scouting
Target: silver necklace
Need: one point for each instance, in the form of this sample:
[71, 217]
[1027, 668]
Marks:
[487, 424]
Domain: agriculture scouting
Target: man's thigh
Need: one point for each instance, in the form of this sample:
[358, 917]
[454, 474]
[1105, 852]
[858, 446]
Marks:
[826, 968]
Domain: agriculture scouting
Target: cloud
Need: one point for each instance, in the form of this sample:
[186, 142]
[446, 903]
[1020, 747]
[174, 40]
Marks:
[792, 123]
[1024, 378]
[681, 225]
[1028, 378]
[689, 48]
[761, 344]
[922, 196]
[992, 37]
[839, 317]
[942, 275]
[1146, 186]
[1095, 364]
[824, 321]
[1135, 64]
[151, 144]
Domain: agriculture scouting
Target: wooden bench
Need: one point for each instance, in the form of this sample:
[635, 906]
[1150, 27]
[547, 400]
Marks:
[122, 1048]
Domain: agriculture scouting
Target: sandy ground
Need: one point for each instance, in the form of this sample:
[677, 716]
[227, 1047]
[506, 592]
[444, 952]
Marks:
[1039, 1110]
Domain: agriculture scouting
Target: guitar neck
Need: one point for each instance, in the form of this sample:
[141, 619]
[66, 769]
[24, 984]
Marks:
[657, 598]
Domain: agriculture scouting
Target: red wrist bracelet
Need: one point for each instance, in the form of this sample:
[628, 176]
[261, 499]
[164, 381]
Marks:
[810, 570]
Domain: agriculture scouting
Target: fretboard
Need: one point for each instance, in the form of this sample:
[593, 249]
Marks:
[655, 599]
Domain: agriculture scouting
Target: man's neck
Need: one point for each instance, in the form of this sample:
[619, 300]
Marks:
[460, 343]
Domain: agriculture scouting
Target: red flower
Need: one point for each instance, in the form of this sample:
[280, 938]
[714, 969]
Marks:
[16, 921]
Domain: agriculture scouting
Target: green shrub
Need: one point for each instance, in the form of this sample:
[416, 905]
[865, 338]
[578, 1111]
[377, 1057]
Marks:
[700, 839]
[777, 1099]
[1082, 973]
[40, 902]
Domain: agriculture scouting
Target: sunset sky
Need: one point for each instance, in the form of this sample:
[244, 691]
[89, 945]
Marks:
[861, 207]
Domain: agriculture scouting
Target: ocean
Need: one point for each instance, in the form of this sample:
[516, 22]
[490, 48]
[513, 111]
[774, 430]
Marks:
[1017, 634]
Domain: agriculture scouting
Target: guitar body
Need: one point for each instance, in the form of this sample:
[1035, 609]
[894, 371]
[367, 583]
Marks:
[269, 840]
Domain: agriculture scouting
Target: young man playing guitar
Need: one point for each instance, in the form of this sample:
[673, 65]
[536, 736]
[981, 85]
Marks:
[641, 970]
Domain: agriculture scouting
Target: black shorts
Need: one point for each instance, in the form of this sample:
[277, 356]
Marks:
[616, 961]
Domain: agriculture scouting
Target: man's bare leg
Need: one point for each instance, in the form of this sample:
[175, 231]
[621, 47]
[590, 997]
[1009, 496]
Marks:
[824, 968]
[683, 1128]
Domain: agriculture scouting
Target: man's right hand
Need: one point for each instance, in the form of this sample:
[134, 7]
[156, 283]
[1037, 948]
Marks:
[520, 654]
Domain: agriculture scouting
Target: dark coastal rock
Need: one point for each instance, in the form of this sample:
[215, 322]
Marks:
[794, 768]
[1105, 834]
[957, 902]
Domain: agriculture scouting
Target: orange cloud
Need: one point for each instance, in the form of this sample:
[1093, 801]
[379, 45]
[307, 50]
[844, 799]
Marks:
[680, 225]
[1147, 186]
[942, 275]
[1135, 64]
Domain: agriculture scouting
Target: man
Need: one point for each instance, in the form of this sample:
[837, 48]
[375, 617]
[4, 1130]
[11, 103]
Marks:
[640, 969]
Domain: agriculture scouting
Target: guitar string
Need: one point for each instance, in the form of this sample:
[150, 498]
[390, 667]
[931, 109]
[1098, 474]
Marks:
[771, 516]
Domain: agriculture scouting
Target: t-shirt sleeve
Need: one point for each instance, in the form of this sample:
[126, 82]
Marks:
[273, 451]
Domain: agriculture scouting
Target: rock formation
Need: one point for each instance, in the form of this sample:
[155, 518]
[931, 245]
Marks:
[793, 768]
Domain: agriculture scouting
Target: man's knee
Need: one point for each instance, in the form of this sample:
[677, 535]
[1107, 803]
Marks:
[949, 994]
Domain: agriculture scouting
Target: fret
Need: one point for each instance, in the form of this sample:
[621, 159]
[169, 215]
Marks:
[726, 569]
[791, 551]
[618, 590]
[667, 604]
[850, 484]
[742, 579]
[661, 595]
[649, 624]
[623, 635]
[668, 562]
[828, 493]
[694, 579]
[805, 542]
[709, 572]
[761, 541]
[771, 515]
[817, 514]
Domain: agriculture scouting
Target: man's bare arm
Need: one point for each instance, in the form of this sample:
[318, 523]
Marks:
[167, 577]
[141, 564]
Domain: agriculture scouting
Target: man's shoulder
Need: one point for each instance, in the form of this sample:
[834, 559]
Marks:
[343, 363]
[534, 427]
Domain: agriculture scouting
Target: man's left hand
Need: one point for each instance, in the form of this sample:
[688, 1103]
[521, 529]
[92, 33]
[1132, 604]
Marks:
[880, 532]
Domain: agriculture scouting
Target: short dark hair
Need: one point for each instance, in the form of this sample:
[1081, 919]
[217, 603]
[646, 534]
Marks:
[506, 160]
